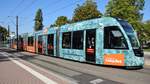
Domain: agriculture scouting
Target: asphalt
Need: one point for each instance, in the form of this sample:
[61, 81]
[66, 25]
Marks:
[84, 73]
[71, 74]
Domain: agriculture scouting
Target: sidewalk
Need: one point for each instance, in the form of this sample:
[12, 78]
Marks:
[10, 73]
[147, 53]
[147, 58]
[17, 71]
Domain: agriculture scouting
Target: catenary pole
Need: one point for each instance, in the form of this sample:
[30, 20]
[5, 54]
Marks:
[17, 31]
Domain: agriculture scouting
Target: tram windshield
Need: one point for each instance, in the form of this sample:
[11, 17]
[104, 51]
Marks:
[130, 33]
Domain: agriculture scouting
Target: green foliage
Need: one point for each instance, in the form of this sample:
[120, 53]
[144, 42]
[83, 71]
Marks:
[125, 9]
[147, 26]
[3, 33]
[129, 10]
[38, 20]
[53, 25]
[62, 20]
[8, 30]
[146, 31]
[87, 10]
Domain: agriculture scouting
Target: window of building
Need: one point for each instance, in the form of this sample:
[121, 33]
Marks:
[30, 41]
[113, 38]
[77, 40]
[66, 40]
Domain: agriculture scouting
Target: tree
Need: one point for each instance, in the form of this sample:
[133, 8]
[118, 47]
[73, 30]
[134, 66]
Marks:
[129, 10]
[146, 30]
[87, 10]
[61, 20]
[3, 33]
[53, 25]
[8, 31]
[38, 20]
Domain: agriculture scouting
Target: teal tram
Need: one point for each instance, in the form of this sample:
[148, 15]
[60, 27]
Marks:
[104, 41]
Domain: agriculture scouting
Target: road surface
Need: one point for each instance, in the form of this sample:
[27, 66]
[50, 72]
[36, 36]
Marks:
[76, 72]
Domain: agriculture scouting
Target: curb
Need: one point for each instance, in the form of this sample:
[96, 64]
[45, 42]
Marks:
[147, 53]
[147, 60]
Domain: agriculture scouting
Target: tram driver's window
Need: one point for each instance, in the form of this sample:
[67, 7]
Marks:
[66, 40]
[113, 38]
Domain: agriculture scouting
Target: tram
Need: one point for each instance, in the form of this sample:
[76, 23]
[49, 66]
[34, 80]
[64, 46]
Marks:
[104, 41]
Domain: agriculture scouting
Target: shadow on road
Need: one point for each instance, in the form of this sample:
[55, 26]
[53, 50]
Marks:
[27, 57]
[3, 59]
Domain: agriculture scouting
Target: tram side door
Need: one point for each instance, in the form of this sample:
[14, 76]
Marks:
[21, 43]
[50, 45]
[40, 42]
[90, 45]
[44, 44]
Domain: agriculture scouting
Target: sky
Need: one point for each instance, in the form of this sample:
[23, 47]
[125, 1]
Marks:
[26, 10]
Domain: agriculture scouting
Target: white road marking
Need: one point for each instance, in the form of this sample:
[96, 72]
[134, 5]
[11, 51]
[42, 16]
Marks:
[30, 70]
[96, 81]
[68, 79]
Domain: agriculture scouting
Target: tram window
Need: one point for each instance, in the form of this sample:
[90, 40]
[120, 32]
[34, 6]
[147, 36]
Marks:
[20, 40]
[78, 40]
[50, 39]
[66, 40]
[15, 41]
[40, 40]
[30, 41]
[113, 38]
